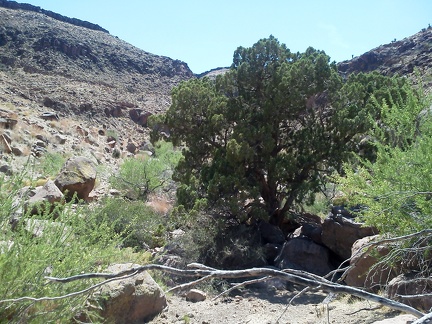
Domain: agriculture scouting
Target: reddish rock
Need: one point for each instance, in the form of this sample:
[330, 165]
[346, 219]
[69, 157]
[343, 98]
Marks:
[77, 176]
[340, 233]
[411, 284]
[364, 271]
[195, 295]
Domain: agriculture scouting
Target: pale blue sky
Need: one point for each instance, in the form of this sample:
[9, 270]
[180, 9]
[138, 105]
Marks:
[204, 34]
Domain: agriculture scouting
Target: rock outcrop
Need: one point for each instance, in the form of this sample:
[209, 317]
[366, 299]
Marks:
[74, 21]
[80, 69]
[398, 57]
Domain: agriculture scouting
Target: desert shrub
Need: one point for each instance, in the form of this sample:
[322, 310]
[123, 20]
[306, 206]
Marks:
[216, 242]
[50, 164]
[138, 225]
[38, 246]
[395, 188]
[140, 177]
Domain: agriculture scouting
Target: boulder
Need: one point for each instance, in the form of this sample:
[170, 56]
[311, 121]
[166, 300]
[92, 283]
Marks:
[48, 193]
[339, 234]
[411, 284]
[271, 233]
[6, 169]
[130, 300]
[139, 117]
[303, 254]
[311, 231]
[364, 271]
[77, 176]
[196, 295]
[131, 147]
[8, 123]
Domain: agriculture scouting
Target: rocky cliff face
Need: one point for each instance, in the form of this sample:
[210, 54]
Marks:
[77, 67]
[74, 21]
[401, 57]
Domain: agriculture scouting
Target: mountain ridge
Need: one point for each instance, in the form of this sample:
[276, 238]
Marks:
[29, 7]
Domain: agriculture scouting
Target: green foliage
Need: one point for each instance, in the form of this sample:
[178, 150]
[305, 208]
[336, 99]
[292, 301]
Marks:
[138, 224]
[259, 138]
[38, 246]
[50, 164]
[395, 189]
[112, 133]
[217, 243]
[141, 177]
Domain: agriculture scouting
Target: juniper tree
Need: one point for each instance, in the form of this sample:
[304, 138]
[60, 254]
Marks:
[258, 139]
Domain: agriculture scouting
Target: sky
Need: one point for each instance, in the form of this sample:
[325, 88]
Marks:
[205, 33]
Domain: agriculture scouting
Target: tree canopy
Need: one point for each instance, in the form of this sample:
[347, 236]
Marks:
[258, 140]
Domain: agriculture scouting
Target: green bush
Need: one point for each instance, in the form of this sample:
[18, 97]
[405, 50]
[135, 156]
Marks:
[139, 225]
[395, 189]
[50, 164]
[140, 177]
[36, 246]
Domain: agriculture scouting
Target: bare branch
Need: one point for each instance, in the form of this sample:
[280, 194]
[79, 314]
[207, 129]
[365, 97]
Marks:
[242, 284]
[75, 293]
[414, 296]
[297, 277]
[424, 320]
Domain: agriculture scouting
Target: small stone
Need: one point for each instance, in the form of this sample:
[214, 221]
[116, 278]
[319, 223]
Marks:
[196, 295]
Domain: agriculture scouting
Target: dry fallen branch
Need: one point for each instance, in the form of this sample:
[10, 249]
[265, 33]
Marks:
[297, 277]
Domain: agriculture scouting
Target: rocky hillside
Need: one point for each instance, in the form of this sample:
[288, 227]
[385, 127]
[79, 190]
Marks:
[402, 57]
[75, 67]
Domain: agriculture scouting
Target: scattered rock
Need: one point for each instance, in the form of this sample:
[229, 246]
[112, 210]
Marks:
[6, 169]
[131, 147]
[60, 139]
[49, 115]
[17, 151]
[196, 295]
[77, 176]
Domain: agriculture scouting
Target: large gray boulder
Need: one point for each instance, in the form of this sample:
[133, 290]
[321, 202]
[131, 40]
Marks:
[304, 254]
[77, 176]
[131, 300]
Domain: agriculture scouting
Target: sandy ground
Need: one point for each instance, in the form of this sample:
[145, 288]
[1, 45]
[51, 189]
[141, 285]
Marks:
[266, 306]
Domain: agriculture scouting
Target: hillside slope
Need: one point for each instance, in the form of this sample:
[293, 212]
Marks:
[77, 70]
[403, 57]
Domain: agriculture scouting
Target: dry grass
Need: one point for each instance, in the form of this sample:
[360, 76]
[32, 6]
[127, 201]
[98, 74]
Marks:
[161, 205]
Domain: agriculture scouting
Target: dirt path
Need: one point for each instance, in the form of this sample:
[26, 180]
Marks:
[259, 306]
